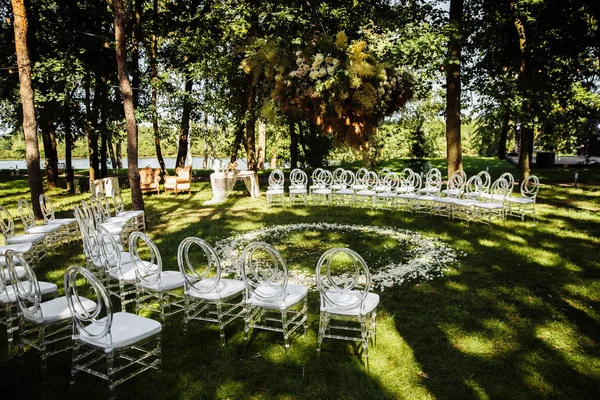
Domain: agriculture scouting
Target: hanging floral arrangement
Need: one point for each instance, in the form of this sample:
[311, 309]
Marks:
[342, 87]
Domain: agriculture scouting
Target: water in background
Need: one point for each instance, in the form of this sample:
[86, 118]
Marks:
[142, 162]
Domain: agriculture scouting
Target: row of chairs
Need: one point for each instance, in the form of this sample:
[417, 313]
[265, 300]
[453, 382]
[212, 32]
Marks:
[476, 198]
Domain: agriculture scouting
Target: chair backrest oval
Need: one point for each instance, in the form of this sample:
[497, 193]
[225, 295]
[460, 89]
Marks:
[147, 271]
[47, 207]
[371, 179]
[117, 200]
[26, 212]
[276, 179]
[530, 187]
[104, 205]
[499, 190]
[473, 187]
[298, 178]
[25, 286]
[338, 175]
[6, 223]
[456, 183]
[510, 179]
[343, 278]
[205, 279]
[325, 178]
[486, 181]
[433, 180]
[264, 271]
[361, 176]
[348, 179]
[94, 323]
[382, 173]
[391, 181]
[315, 175]
[95, 209]
[111, 252]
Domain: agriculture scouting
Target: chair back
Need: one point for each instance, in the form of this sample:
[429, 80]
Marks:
[7, 224]
[95, 210]
[26, 287]
[27, 216]
[473, 187]
[117, 200]
[298, 179]
[499, 190]
[371, 180]
[348, 179]
[338, 177]
[95, 323]
[110, 252]
[456, 183]
[510, 179]
[264, 272]
[433, 181]
[361, 178]
[381, 174]
[324, 179]
[47, 208]
[390, 182]
[315, 175]
[276, 179]
[148, 270]
[184, 173]
[343, 278]
[199, 264]
[104, 205]
[530, 187]
[486, 181]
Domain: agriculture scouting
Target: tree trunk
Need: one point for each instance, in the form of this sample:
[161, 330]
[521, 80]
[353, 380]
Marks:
[262, 142]
[136, 38]
[111, 150]
[92, 138]
[293, 144]
[239, 138]
[132, 135]
[184, 129]
[526, 128]
[119, 153]
[68, 144]
[503, 135]
[49, 142]
[154, 99]
[32, 153]
[453, 89]
[250, 126]
[103, 128]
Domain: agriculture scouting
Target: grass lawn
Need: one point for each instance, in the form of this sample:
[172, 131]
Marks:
[516, 316]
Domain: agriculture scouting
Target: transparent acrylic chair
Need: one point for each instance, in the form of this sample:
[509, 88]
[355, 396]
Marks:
[297, 189]
[36, 240]
[275, 192]
[525, 204]
[69, 229]
[271, 302]
[44, 325]
[208, 296]
[113, 346]
[52, 232]
[137, 218]
[153, 285]
[9, 303]
[348, 308]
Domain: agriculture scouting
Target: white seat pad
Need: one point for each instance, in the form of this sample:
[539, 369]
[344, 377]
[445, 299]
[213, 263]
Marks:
[27, 238]
[18, 247]
[62, 221]
[343, 301]
[9, 295]
[57, 309]
[170, 280]
[293, 295]
[126, 329]
[227, 288]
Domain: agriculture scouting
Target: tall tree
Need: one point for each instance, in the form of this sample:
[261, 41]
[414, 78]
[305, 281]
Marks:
[154, 83]
[32, 154]
[132, 135]
[453, 88]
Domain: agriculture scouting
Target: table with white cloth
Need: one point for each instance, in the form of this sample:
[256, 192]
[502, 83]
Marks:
[222, 184]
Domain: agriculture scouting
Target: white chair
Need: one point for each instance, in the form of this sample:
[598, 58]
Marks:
[154, 285]
[410, 184]
[366, 195]
[8, 300]
[44, 325]
[345, 194]
[348, 309]
[444, 205]
[113, 346]
[525, 204]
[322, 193]
[297, 189]
[493, 207]
[94, 213]
[137, 218]
[386, 198]
[381, 180]
[361, 175]
[425, 201]
[52, 232]
[338, 179]
[37, 240]
[275, 192]
[464, 208]
[271, 302]
[485, 181]
[69, 229]
[314, 179]
[208, 296]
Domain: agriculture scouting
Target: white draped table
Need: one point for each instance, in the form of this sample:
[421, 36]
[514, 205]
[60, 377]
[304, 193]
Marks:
[222, 184]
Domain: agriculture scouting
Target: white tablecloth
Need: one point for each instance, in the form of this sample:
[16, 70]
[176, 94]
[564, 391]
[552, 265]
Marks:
[222, 184]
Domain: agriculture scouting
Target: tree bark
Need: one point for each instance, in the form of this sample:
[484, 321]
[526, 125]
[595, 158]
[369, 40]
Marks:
[239, 138]
[32, 152]
[526, 130]
[503, 136]
[68, 144]
[262, 142]
[453, 89]
[49, 142]
[184, 129]
[92, 137]
[293, 144]
[250, 125]
[136, 37]
[154, 98]
[132, 135]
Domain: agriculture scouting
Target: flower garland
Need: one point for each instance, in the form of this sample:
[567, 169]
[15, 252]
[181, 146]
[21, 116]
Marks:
[426, 258]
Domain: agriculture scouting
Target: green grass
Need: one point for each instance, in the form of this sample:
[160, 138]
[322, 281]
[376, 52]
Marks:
[518, 317]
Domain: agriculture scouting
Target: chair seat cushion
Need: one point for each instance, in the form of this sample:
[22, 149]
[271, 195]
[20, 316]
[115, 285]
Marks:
[27, 238]
[348, 303]
[366, 193]
[5, 275]
[226, 289]
[131, 214]
[126, 329]
[345, 192]
[275, 192]
[293, 295]
[465, 202]
[57, 309]
[62, 221]
[322, 191]
[386, 195]
[520, 200]
[426, 198]
[298, 191]
[446, 199]
[9, 295]
[408, 196]
[18, 247]
[489, 206]
[43, 229]
[170, 280]
[127, 272]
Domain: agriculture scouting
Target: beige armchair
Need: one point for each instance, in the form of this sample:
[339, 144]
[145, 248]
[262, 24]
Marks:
[150, 179]
[181, 182]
